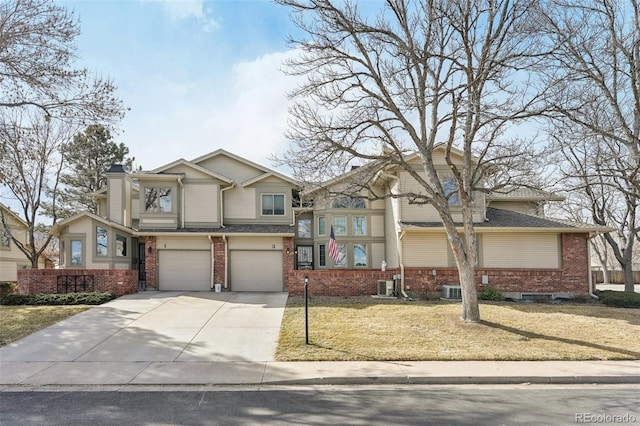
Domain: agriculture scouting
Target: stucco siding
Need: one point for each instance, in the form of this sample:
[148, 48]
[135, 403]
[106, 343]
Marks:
[377, 226]
[201, 203]
[377, 255]
[200, 242]
[230, 168]
[255, 243]
[521, 250]
[116, 207]
[430, 250]
[240, 203]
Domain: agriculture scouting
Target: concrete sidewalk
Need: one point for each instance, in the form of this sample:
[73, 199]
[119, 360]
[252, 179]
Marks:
[36, 374]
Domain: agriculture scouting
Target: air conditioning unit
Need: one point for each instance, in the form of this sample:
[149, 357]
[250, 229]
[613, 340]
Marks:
[385, 288]
[451, 292]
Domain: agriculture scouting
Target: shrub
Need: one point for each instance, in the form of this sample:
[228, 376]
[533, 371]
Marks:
[491, 293]
[620, 299]
[58, 299]
[6, 288]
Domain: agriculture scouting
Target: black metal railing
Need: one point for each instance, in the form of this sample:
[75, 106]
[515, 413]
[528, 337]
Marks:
[74, 284]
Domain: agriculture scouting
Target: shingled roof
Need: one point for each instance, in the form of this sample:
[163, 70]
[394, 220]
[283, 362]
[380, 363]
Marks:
[498, 218]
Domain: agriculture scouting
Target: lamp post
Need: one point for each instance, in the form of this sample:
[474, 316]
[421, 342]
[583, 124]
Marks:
[306, 309]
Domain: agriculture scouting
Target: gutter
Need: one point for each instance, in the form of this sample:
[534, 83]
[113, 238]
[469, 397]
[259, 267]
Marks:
[400, 255]
[226, 261]
[233, 185]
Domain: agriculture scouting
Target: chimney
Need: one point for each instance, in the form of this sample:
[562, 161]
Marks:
[118, 195]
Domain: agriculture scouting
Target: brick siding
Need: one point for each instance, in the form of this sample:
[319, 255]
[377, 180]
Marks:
[118, 281]
[571, 277]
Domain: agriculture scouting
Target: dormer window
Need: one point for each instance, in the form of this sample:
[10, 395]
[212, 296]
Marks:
[348, 203]
[157, 200]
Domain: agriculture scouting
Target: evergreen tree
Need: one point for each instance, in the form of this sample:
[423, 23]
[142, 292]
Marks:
[87, 157]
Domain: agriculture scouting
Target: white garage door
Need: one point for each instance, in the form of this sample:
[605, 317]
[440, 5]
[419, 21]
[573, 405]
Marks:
[184, 270]
[256, 270]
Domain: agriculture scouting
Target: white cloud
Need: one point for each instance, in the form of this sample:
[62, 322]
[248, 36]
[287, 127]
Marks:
[180, 10]
[245, 113]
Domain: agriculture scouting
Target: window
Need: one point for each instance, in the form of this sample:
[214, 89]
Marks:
[342, 256]
[348, 203]
[5, 241]
[322, 255]
[101, 241]
[304, 228]
[321, 226]
[121, 245]
[157, 200]
[76, 252]
[340, 225]
[359, 225]
[360, 255]
[450, 186]
[273, 204]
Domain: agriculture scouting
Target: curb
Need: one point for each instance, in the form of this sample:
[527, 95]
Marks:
[459, 380]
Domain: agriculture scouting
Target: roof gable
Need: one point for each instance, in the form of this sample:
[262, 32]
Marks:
[8, 212]
[244, 170]
[182, 166]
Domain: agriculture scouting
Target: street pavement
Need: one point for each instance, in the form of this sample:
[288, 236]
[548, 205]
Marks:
[172, 338]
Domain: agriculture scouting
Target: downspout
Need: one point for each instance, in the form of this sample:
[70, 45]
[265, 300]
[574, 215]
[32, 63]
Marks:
[590, 272]
[181, 202]
[400, 255]
[222, 208]
[213, 260]
[226, 261]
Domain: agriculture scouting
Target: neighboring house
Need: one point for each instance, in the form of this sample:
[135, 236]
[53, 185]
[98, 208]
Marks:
[11, 257]
[520, 251]
[222, 219]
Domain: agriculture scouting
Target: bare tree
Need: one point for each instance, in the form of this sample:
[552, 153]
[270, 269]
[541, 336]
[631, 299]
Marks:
[406, 80]
[43, 100]
[593, 81]
[37, 52]
[30, 166]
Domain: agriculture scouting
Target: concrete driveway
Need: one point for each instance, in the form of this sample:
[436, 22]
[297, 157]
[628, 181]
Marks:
[162, 326]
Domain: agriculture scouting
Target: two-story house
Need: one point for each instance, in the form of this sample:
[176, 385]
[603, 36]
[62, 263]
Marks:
[520, 250]
[189, 225]
[222, 219]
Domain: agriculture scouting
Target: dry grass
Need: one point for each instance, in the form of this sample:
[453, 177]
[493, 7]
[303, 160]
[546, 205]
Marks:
[344, 331]
[17, 322]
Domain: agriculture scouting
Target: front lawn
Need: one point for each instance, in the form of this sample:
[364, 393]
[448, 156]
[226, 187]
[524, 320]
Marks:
[356, 330]
[17, 322]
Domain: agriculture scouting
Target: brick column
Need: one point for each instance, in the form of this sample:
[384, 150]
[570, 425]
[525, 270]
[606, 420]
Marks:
[288, 260]
[218, 261]
[151, 262]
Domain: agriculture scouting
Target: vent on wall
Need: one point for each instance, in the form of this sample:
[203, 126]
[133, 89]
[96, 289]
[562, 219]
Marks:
[451, 292]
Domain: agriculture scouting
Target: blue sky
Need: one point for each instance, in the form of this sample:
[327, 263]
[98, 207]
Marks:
[198, 75]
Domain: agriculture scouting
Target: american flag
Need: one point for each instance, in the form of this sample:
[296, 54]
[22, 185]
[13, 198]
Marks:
[333, 246]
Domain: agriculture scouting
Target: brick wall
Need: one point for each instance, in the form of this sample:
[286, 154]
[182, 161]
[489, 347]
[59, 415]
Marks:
[151, 256]
[288, 260]
[118, 281]
[218, 261]
[572, 277]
